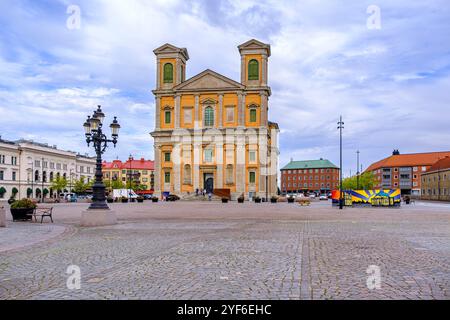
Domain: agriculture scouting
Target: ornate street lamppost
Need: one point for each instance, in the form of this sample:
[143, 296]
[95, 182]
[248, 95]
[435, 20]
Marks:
[94, 133]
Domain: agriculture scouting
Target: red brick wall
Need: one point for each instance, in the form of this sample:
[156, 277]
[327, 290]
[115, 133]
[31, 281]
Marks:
[328, 180]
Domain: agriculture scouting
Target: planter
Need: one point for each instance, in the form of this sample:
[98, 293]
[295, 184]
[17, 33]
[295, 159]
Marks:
[240, 200]
[273, 200]
[21, 214]
[110, 200]
[224, 200]
[154, 199]
[140, 200]
[291, 200]
[124, 200]
[257, 200]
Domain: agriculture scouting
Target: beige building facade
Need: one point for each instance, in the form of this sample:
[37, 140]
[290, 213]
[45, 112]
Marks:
[27, 168]
[212, 132]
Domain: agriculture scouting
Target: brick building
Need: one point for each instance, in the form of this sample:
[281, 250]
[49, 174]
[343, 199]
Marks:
[404, 171]
[319, 176]
[141, 171]
[436, 181]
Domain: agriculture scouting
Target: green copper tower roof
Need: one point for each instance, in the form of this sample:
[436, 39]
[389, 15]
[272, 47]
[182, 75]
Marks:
[309, 164]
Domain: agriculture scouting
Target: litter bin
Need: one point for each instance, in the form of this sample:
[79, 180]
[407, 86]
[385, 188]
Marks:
[2, 216]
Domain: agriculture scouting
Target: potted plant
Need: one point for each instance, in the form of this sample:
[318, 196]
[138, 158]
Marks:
[224, 200]
[140, 199]
[273, 199]
[124, 199]
[241, 199]
[110, 199]
[154, 199]
[257, 199]
[22, 209]
[290, 199]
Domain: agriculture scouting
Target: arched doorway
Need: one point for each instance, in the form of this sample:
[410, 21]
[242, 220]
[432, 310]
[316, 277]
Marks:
[208, 182]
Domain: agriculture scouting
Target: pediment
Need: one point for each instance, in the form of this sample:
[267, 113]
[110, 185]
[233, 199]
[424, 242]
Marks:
[171, 49]
[254, 44]
[208, 80]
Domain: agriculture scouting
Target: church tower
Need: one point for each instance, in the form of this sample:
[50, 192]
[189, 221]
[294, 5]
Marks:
[254, 56]
[170, 66]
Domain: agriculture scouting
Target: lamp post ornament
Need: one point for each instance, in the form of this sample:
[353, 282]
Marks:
[93, 128]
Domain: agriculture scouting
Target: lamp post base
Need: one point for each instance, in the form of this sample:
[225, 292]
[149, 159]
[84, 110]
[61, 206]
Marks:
[98, 218]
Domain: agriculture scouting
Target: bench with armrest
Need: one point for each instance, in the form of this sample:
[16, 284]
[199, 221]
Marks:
[43, 212]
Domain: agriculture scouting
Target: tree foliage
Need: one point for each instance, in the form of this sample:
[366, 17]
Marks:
[59, 183]
[367, 181]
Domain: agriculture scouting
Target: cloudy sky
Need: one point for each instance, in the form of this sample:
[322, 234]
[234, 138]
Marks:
[391, 84]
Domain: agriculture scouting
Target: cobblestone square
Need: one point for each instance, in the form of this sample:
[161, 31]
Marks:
[210, 250]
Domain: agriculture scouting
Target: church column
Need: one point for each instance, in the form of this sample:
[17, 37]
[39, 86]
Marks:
[177, 111]
[196, 165]
[158, 74]
[242, 69]
[264, 109]
[158, 113]
[219, 162]
[196, 124]
[241, 109]
[240, 161]
[264, 70]
[176, 154]
[220, 116]
[157, 172]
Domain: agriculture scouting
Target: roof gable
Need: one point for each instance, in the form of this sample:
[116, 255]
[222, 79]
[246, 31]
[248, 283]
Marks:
[254, 44]
[208, 80]
[169, 48]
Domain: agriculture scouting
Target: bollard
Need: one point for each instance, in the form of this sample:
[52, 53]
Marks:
[2, 216]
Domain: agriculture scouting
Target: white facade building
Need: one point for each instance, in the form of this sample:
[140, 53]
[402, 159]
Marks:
[27, 168]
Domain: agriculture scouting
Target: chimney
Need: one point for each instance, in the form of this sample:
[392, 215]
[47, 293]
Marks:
[395, 152]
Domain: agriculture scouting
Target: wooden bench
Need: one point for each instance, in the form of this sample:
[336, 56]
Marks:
[43, 212]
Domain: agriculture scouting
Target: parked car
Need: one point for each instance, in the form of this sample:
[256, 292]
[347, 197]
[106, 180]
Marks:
[172, 197]
[148, 196]
[323, 197]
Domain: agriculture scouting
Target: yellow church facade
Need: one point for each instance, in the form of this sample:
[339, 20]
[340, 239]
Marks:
[212, 132]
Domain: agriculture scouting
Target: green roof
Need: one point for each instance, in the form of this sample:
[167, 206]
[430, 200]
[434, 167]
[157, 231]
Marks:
[309, 164]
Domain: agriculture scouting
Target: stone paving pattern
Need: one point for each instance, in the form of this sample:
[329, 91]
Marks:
[236, 251]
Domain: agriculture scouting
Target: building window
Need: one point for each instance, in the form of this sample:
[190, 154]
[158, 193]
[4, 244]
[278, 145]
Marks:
[252, 115]
[2, 159]
[167, 177]
[209, 117]
[168, 73]
[252, 156]
[252, 177]
[253, 70]
[2, 175]
[188, 115]
[208, 155]
[230, 114]
[229, 174]
[167, 156]
[167, 117]
[187, 174]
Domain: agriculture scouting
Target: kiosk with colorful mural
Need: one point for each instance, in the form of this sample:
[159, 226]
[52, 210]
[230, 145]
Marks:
[365, 198]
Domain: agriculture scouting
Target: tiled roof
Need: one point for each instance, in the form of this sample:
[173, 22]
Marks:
[141, 164]
[309, 164]
[442, 164]
[409, 160]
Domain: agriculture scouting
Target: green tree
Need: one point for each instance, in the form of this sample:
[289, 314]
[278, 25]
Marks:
[58, 184]
[80, 186]
[367, 181]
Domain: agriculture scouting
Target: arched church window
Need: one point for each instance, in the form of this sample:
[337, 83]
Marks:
[168, 73]
[209, 117]
[253, 70]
